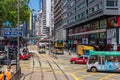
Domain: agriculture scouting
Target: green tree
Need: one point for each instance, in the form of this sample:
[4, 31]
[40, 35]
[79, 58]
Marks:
[9, 11]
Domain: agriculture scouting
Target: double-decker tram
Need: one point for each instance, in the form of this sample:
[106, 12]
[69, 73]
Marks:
[59, 47]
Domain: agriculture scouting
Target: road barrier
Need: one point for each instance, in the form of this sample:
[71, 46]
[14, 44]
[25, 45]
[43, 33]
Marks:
[17, 75]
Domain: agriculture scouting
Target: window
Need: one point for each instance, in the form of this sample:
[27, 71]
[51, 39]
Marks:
[111, 3]
[93, 59]
[101, 59]
[81, 5]
[102, 35]
[81, 15]
[91, 1]
[72, 3]
[103, 24]
[112, 58]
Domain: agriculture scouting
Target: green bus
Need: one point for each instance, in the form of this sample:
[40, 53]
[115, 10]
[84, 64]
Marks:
[104, 61]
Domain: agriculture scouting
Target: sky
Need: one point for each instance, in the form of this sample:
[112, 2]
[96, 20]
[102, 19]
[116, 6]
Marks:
[34, 4]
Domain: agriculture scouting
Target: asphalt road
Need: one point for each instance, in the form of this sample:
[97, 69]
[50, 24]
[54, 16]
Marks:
[31, 68]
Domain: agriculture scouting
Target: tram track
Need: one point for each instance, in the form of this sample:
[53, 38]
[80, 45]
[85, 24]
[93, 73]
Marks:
[51, 70]
[52, 63]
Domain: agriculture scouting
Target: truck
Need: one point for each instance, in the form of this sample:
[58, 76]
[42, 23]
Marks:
[84, 49]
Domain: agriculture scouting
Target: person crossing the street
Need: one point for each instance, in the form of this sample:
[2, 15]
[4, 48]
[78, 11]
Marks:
[1, 75]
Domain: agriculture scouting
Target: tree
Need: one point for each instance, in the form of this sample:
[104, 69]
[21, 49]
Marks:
[8, 11]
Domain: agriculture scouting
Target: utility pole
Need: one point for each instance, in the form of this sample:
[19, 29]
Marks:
[18, 63]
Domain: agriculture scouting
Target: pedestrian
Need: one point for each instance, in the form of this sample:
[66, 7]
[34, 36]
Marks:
[4, 76]
[70, 51]
[8, 75]
[1, 75]
[9, 68]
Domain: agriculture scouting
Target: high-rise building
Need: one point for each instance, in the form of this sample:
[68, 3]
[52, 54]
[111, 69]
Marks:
[39, 27]
[47, 16]
[91, 22]
[60, 33]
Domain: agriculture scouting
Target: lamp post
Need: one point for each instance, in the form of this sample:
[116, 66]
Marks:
[18, 63]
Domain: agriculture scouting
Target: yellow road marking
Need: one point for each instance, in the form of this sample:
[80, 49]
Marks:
[74, 76]
[86, 75]
[106, 77]
[79, 71]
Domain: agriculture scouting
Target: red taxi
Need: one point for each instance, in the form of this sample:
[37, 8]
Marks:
[28, 55]
[79, 60]
[23, 57]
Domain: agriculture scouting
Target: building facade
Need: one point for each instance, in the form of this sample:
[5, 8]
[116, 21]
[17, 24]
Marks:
[91, 22]
[39, 27]
[47, 17]
[60, 32]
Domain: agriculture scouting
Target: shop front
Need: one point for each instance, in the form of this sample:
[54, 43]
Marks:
[96, 32]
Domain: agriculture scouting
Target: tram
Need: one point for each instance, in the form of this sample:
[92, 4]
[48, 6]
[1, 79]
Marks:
[59, 47]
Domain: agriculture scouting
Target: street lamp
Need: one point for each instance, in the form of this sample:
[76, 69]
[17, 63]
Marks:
[18, 63]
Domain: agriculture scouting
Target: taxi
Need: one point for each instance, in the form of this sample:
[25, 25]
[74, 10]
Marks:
[23, 57]
[79, 60]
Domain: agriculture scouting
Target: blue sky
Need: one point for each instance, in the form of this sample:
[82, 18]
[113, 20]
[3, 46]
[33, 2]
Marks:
[34, 4]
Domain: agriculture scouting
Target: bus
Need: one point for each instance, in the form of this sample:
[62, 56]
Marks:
[108, 61]
[59, 46]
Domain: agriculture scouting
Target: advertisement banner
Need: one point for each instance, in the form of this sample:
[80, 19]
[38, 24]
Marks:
[110, 66]
[111, 36]
[84, 40]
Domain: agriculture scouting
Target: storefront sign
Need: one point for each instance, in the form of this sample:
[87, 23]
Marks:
[111, 36]
[119, 35]
[93, 42]
[84, 40]
[89, 32]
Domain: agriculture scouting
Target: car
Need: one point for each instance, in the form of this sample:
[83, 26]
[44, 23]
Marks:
[23, 57]
[28, 55]
[79, 60]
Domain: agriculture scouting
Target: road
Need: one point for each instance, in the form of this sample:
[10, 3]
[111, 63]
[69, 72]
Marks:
[43, 67]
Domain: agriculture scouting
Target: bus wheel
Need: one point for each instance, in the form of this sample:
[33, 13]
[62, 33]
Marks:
[72, 62]
[93, 69]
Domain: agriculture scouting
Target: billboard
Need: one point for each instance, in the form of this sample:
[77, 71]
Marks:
[112, 36]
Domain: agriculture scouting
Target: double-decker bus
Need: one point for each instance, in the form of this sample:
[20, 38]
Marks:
[104, 61]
